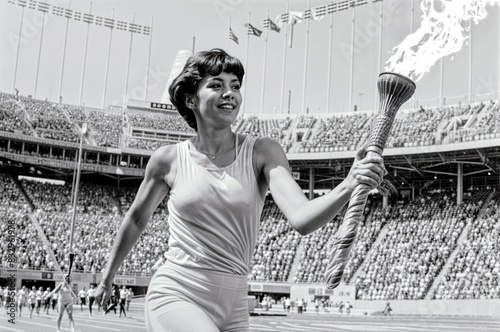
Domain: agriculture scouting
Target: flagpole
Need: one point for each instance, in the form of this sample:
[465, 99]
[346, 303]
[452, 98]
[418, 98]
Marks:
[284, 63]
[470, 62]
[128, 69]
[379, 50]
[412, 27]
[264, 69]
[107, 61]
[149, 61]
[246, 70]
[228, 35]
[39, 55]
[351, 78]
[59, 94]
[17, 51]
[84, 59]
[441, 77]
[304, 83]
[329, 78]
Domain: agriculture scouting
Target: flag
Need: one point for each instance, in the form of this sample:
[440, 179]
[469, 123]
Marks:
[295, 17]
[232, 36]
[253, 30]
[268, 23]
[283, 18]
[319, 12]
[307, 14]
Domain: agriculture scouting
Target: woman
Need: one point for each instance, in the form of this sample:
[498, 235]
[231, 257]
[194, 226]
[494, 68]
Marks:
[65, 301]
[32, 300]
[91, 296]
[216, 182]
[22, 296]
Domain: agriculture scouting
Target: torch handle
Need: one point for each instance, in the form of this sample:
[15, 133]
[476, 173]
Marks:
[394, 90]
[71, 258]
[343, 242]
[379, 133]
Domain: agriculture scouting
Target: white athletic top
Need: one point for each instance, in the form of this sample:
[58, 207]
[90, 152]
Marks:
[214, 214]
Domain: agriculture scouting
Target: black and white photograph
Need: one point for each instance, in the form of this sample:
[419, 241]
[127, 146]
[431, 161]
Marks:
[249, 165]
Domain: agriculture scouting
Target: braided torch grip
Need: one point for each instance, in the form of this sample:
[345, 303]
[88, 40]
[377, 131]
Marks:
[394, 90]
[343, 242]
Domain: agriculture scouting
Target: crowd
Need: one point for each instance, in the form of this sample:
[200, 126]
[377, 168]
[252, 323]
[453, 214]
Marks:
[475, 272]
[417, 242]
[276, 247]
[36, 301]
[12, 117]
[159, 121]
[337, 134]
[421, 236]
[315, 250]
[143, 143]
[368, 231]
[106, 128]
[304, 133]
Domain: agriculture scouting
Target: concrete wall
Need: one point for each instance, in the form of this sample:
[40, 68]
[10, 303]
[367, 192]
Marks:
[307, 292]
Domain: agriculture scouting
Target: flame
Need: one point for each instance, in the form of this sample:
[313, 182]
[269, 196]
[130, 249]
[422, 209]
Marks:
[443, 31]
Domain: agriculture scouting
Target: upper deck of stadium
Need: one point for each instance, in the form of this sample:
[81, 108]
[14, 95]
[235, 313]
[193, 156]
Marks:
[425, 144]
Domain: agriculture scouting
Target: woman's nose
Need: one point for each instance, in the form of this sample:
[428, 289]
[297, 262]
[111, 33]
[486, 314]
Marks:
[228, 94]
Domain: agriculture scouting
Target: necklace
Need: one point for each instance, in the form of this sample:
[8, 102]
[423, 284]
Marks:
[213, 156]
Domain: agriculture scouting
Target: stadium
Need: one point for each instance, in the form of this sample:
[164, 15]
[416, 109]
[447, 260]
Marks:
[429, 245]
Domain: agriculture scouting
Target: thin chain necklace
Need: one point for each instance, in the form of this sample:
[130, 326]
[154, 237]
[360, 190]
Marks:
[214, 156]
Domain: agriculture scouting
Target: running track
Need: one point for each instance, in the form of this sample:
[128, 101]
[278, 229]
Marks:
[309, 322]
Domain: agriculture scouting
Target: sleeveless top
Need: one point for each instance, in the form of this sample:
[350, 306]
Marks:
[214, 213]
[65, 295]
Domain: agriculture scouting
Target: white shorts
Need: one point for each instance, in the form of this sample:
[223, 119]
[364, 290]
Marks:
[190, 299]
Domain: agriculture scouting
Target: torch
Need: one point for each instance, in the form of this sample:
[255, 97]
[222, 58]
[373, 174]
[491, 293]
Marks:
[394, 91]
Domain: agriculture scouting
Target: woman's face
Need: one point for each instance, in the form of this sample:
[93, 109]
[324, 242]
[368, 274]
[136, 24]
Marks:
[218, 99]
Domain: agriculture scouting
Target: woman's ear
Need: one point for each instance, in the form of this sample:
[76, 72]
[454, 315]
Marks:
[189, 101]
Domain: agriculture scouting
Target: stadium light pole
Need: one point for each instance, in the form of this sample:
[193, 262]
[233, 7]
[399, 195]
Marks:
[106, 71]
[39, 55]
[75, 200]
[84, 58]
[17, 50]
[351, 75]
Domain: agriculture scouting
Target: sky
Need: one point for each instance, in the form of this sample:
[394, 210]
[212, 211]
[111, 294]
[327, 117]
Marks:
[203, 24]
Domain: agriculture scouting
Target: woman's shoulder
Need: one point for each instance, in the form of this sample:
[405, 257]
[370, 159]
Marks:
[267, 149]
[164, 155]
[266, 144]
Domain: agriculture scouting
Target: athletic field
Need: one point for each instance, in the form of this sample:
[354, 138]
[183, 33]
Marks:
[308, 322]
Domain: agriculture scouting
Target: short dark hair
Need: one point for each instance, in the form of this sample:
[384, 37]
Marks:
[197, 67]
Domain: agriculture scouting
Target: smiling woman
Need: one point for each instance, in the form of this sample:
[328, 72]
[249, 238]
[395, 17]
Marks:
[216, 183]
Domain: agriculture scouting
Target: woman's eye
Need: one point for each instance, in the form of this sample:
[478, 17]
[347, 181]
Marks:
[236, 87]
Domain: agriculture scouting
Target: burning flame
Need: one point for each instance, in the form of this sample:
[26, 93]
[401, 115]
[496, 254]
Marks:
[444, 29]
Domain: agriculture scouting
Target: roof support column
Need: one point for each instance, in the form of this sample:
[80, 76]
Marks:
[311, 183]
[460, 183]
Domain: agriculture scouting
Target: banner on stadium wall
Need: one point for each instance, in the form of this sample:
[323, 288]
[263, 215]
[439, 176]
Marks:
[125, 281]
[20, 274]
[162, 106]
[256, 287]
[320, 291]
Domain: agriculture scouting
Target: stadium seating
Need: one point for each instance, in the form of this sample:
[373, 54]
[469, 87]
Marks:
[296, 134]
[429, 246]
[475, 272]
[418, 241]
